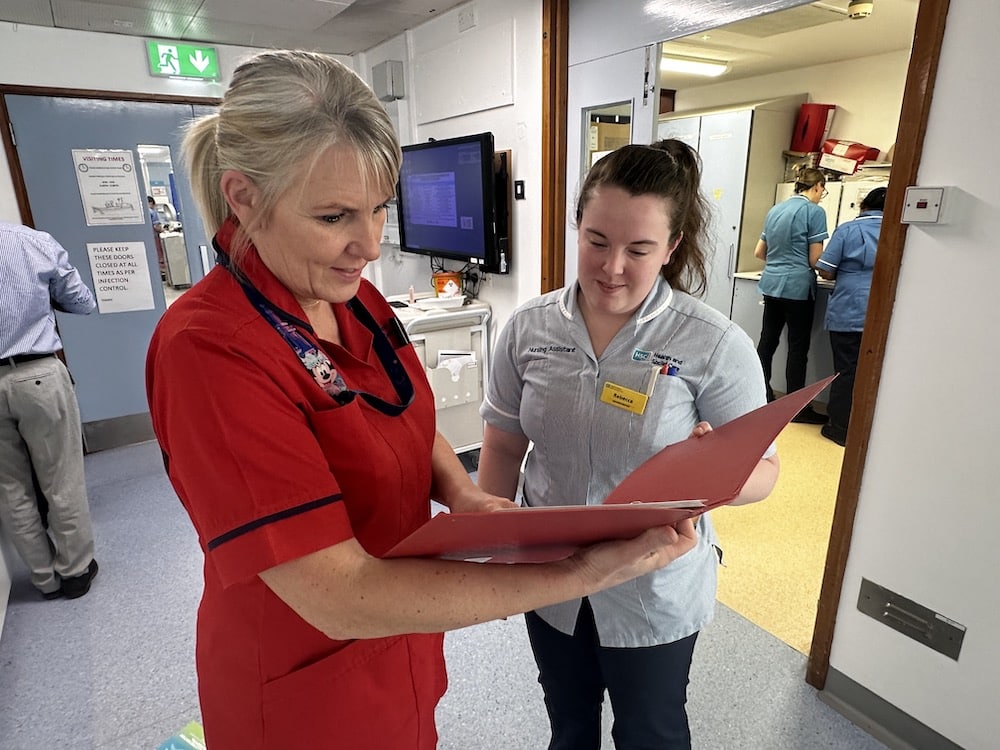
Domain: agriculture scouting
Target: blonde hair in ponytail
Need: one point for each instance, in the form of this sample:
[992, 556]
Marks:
[282, 110]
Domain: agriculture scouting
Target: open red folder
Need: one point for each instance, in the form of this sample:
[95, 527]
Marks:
[681, 481]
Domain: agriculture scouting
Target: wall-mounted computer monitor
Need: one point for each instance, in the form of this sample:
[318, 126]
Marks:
[449, 204]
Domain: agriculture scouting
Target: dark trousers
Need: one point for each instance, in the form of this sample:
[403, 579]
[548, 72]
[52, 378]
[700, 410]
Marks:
[797, 314]
[647, 687]
[845, 345]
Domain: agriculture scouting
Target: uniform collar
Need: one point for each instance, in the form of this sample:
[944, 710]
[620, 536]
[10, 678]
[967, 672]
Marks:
[658, 300]
[253, 270]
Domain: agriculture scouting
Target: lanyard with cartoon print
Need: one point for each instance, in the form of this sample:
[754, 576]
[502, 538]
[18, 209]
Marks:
[319, 365]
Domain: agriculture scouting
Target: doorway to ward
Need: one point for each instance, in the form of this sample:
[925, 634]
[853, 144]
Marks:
[89, 166]
[776, 551]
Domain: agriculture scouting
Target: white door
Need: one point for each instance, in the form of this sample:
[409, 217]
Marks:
[724, 147]
[628, 78]
[105, 351]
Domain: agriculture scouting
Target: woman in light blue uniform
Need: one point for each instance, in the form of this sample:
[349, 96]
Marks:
[627, 323]
[850, 259]
[790, 244]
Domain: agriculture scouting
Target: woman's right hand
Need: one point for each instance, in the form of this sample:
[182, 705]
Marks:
[608, 564]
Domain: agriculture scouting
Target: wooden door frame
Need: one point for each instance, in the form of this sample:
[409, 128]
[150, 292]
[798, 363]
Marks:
[915, 109]
[555, 88]
[914, 112]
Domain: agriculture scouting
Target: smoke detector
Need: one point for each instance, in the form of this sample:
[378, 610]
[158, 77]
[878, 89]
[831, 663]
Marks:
[859, 9]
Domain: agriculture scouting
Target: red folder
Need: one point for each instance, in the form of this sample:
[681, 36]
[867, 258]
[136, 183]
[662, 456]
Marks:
[681, 481]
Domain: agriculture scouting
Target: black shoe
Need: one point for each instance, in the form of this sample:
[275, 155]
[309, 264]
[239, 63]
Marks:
[832, 433]
[77, 586]
[52, 594]
[809, 416]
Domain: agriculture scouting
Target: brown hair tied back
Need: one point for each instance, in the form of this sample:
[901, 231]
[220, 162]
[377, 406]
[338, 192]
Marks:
[670, 170]
[808, 178]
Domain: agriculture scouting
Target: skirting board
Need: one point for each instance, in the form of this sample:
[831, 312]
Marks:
[104, 434]
[879, 718]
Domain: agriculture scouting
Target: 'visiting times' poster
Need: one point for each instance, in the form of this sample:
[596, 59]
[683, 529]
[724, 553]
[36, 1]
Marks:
[109, 187]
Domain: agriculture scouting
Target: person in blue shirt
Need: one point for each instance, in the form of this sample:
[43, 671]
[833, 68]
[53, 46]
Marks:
[40, 432]
[849, 258]
[157, 222]
[790, 245]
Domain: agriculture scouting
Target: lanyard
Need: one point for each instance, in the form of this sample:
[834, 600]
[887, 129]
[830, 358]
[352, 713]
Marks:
[319, 365]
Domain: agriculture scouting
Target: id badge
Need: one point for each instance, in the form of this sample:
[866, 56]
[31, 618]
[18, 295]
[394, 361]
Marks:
[630, 399]
[624, 398]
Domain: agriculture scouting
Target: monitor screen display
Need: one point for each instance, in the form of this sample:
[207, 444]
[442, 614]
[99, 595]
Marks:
[446, 199]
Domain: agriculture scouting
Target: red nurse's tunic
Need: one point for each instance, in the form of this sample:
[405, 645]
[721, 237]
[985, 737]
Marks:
[270, 468]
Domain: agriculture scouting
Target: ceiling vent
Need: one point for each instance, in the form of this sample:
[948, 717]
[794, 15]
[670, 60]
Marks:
[788, 20]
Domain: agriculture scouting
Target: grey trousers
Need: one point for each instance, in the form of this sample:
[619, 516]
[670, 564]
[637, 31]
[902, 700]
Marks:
[40, 430]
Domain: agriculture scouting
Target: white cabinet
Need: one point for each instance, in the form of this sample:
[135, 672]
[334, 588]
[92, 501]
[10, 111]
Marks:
[453, 346]
[175, 258]
[741, 153]
[853, 193]
[748, 314]
[748, 306]
[843, 200]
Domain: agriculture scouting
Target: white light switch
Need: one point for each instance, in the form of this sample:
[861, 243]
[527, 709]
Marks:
[926, 205]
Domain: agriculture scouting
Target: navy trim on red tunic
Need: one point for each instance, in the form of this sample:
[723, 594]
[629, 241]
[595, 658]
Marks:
[279, 516]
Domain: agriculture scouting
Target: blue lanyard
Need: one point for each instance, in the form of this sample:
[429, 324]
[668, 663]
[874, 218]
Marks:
[319, 365]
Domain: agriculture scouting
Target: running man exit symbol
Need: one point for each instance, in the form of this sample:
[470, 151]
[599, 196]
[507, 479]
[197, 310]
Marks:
[169, 64]
[173, 59]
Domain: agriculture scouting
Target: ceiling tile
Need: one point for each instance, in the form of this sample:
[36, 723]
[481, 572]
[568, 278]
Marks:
[117, 19]
[177, 7]
[31, 12]
[296, 15]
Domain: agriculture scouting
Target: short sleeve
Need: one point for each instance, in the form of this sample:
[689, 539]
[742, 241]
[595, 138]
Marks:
[501, 407]
[833, 253]
[817, 224]
[241, 455]
[734, 381]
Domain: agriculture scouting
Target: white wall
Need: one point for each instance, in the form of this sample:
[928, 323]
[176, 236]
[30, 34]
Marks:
[512, 116]
[929, 511]
[867, 104]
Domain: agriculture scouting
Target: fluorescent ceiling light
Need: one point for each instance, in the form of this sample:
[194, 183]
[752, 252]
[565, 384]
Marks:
[692, 66]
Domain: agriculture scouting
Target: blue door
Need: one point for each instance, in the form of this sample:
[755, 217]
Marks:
[105, 351]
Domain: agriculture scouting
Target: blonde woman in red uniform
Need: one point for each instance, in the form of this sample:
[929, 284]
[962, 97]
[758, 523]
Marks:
[297, 428]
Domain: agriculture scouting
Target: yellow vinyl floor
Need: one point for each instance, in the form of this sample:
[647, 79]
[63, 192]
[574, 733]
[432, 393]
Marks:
[774, 551]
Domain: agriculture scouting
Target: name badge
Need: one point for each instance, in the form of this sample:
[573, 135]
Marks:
[629, 399]
[624, 398]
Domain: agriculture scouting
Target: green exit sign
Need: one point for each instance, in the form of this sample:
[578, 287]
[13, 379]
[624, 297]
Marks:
[175, 60]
